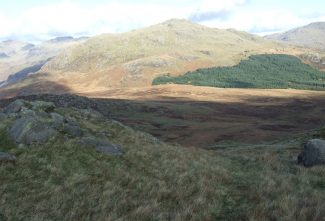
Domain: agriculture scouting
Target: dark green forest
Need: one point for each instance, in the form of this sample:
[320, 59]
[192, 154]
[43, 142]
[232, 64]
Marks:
[259, 71]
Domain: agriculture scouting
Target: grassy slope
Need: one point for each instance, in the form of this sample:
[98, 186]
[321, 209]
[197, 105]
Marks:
[259, 71]
[156, 181]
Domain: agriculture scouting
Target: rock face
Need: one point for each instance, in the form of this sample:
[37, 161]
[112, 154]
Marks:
[7, 158]
[313, 153]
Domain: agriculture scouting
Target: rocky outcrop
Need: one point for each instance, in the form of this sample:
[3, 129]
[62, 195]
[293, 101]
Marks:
[313, 153]
[39, 122]
[14, 107]
[34, 123]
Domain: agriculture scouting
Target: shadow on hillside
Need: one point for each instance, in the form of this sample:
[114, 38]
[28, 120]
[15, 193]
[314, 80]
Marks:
[23, 73]
[33, 88]
[202, 124]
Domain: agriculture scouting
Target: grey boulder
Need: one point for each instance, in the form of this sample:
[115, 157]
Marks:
[72, 130]
[101, 145]
[92, 142]
[14, 107]
[28, 130]
[313, 153]
[57, 120]
[110, 149]
[7, 158]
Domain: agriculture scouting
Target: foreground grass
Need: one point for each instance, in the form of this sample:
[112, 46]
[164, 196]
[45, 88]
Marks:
[156, 181]
[259, 71]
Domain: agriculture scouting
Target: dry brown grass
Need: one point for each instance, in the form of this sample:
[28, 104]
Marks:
[202, 116]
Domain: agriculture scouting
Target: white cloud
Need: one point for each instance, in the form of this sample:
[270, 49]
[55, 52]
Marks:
[6, 26]
[264, 22]
[68, 17]
[215, 9]
[219, 5]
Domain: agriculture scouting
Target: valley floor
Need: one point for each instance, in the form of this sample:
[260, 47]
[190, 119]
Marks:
[204, 116]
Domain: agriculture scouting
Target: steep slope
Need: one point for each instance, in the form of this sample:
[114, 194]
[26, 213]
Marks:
[18, 59]
[311, 36]
[137, 57]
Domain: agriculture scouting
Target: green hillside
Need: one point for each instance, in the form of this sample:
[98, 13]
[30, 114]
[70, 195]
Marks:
[259, 71]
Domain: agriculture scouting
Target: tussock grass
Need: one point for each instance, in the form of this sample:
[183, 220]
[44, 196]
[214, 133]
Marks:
[157, 181]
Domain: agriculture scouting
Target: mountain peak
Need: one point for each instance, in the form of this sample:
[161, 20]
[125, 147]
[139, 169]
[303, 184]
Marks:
[179, 23]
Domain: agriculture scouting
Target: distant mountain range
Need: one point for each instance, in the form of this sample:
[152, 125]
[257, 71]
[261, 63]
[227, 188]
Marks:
[18, 59]
[311, 36]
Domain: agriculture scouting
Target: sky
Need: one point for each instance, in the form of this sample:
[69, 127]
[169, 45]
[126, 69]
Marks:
[38, 20]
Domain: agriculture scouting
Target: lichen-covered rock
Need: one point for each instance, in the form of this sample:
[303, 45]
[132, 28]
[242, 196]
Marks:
[91, 113]
[26, 111]
[26, 107]
[42, 106]
[313, 153]
[37, 122]
[72, 130]
[14, 107]
[57, 120]
[7, 158]
[28, 130]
